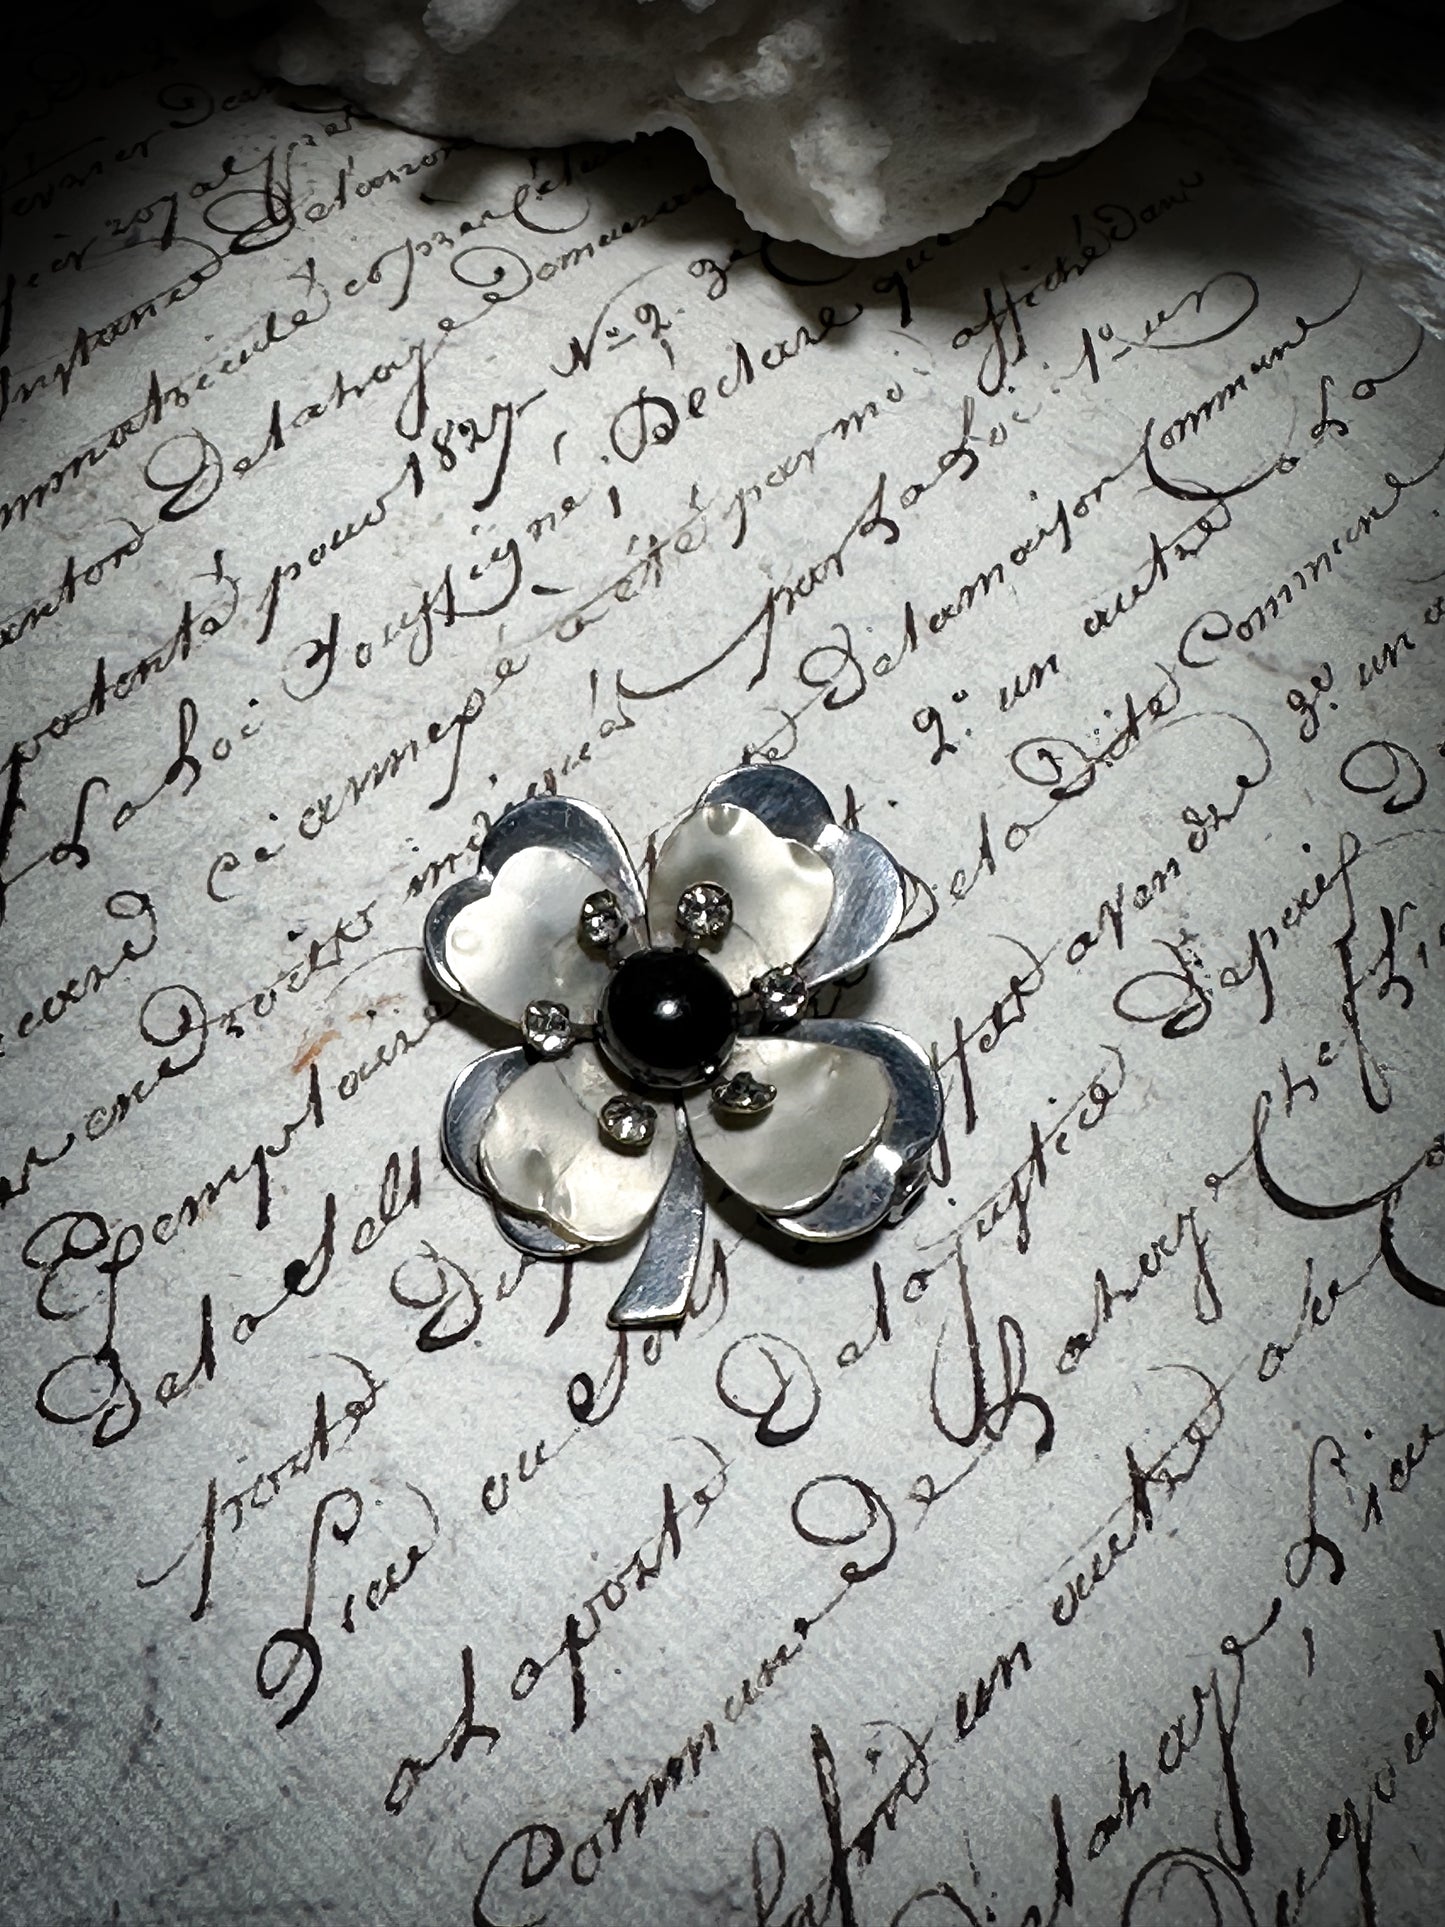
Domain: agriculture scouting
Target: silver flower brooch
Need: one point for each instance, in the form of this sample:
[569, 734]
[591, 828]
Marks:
[665, 1033]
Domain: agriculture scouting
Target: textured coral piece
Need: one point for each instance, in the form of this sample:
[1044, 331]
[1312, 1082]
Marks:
[858, 125]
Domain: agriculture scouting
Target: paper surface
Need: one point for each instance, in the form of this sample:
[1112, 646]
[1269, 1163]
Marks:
[1069, 1551]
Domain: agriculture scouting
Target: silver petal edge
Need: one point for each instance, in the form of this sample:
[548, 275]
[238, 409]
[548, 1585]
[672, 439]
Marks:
[890, 1173]
[781, 797]
[867, 906]
[434, 929]
[468, 1104]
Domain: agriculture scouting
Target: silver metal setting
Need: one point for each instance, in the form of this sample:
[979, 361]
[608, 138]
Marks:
[704, 911]
[782, 995]
[601, 922]
[548, 1028]
[628, 1122]
[661, 1281]
[872, 1189]
[744, 1095]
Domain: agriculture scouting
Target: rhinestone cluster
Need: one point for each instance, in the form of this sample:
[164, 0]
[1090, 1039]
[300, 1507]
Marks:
[705, 911]
[548, 1028]
[601, 922]
[628, 1123]
[744, 1095]
[782, 995]
[682, 1011]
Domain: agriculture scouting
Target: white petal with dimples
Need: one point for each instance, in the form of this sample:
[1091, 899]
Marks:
[542, 1153]
[519, 942]
[831, 1105]
[781, 890]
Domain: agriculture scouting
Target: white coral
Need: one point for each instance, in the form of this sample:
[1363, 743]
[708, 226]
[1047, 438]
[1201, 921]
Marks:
[855, 124]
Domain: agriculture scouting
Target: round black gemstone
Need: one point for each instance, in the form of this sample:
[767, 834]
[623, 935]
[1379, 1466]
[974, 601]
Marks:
[668, 1019]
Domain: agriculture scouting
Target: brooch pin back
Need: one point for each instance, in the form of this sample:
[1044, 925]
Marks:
[665, 1033]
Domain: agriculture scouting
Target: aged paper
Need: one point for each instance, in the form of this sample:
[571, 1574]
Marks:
[1070, 1551]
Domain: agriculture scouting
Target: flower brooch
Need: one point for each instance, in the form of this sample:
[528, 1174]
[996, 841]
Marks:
[665, 1034]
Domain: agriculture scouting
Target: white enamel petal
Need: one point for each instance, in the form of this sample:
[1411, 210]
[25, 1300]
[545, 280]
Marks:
[519, 941]
[541, 1152]
[831, 1105]
[781, 890]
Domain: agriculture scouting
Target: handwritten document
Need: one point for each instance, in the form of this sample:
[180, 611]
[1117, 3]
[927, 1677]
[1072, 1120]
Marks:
[1070, 1551]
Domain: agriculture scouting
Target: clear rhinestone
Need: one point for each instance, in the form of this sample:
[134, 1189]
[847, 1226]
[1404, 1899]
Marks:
[705, 910]
[601, 922]
[743, 1095]
[782, 995]
[628, 1123]
[547, 1028]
